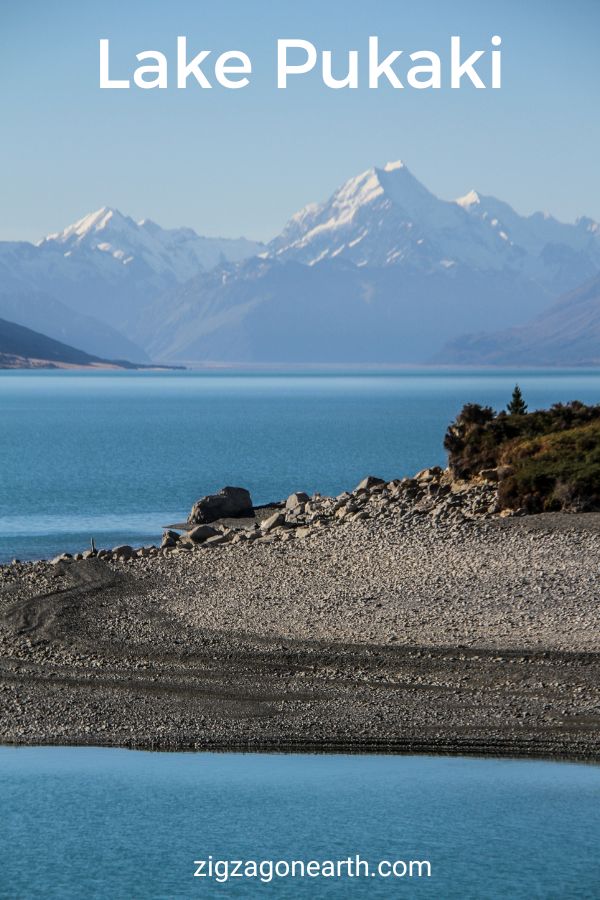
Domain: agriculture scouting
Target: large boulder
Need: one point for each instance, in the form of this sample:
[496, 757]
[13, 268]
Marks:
[230, 502]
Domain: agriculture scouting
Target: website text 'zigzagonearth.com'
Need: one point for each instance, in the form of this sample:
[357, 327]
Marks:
[223, 870]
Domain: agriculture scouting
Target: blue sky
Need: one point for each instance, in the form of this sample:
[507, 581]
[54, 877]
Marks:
[241, 162]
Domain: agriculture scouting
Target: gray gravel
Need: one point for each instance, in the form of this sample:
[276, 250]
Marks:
[382, 622]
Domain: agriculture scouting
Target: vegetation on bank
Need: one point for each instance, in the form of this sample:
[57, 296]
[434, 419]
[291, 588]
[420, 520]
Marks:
[544, 460]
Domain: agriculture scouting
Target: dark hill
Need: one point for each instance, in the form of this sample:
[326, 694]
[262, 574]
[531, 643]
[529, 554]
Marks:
[21, 347]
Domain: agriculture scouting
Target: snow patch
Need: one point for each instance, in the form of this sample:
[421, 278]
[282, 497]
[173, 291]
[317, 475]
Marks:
[469, 200]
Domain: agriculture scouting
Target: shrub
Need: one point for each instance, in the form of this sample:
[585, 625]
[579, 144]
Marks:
[552, 456]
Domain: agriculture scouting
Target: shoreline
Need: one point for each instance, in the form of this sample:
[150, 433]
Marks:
[398, 623]
[483, 752]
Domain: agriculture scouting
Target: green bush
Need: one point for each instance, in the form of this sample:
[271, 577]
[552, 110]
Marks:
[556, 471]
[550, 458]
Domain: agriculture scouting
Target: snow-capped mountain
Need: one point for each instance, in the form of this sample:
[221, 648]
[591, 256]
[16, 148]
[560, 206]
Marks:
[387, 217]
[106, 268]
[114, 240]
[382, 271]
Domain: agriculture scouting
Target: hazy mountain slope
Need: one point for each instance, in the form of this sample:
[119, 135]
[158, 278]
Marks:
[268, 310]
[44, 313]
[19, 345]
[567, 334]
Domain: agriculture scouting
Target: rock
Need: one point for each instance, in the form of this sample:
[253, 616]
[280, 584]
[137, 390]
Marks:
[295, 516]
[297, 499]
[64, 557]
[369, 482]
[169, 539]
[217, 539]
[273, 521]
[201, 533]
[230, 502]
[123, 551]
[431, 474]
[88, 554]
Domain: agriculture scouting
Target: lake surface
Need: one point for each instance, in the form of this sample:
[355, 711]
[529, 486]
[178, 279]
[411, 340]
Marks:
[118, 455]
[111, 824]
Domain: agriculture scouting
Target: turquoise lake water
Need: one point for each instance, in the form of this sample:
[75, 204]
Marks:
[112, 824]
[118, 455]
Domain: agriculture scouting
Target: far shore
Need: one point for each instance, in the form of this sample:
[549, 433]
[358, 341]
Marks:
[21, 363]
[195, 366]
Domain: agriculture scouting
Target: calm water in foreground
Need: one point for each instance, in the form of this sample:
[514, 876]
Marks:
[118, 455]
[114, 824]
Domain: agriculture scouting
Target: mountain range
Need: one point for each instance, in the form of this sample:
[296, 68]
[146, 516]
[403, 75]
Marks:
[383, 272]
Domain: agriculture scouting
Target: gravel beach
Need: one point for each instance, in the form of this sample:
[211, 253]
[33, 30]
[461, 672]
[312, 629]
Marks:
[401, 617]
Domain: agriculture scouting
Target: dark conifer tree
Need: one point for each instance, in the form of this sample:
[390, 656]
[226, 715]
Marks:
[517, 406]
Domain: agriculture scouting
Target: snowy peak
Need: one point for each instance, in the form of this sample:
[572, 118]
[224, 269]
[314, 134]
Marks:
[363, 190]
[386, 216]
[110, 239]
[534, 235]
[90, 224]
[392, 166]
[394, 181]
